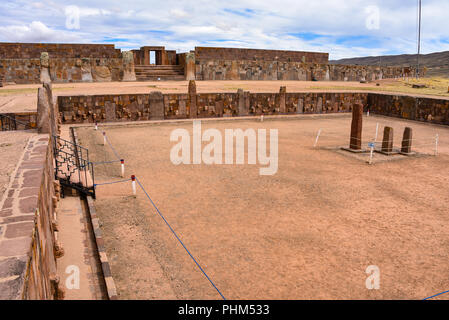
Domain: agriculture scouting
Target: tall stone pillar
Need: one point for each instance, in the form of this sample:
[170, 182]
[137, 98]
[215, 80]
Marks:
[387, 141]
[282, 98]
[192, 100]
[407, 140]
[190, 66]
[45, 67]
[356, 127]
[129, 73]
[43, 112]
[54, 113]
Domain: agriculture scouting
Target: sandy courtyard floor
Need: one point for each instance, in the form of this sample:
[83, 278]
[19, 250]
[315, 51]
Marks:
[307, 232]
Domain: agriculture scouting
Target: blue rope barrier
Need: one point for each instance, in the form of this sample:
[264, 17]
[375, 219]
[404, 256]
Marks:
[105, 183]
[439, 294]
[174, 233]
[113, 150]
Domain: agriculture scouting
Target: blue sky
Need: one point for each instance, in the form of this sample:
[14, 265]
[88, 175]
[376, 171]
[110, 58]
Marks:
[345, 29]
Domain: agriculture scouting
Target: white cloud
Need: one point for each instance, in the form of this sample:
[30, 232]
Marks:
[36, 31]
[341, 25]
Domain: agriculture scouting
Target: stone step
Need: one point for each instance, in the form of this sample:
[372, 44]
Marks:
[160, 72]
[160, 77]
[159, 67]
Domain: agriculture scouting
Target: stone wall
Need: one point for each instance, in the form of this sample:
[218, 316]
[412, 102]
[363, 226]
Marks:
[27, 226]
[61, 70]
[56, 50]
[204, 54]
[412, 108]
[275, 70]
[156, 106]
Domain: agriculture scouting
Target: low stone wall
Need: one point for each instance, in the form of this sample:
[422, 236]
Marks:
[156, 106]
[27, 227]
[412, 108]
[25, 120]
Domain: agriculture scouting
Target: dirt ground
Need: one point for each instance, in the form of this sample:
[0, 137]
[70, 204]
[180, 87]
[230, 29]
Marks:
[307, 232]
[20, 98]
[12, 144]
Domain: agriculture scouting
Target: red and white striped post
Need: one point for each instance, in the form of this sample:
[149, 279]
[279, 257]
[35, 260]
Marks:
[133, 183]
[122, 163]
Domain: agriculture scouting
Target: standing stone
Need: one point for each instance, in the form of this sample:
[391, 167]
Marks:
[86, 70]
[300, 106]
[219, 108]
[190, 66]
[242, 102]
[129, 73]
[387, 142]
[109, 109]
[356, 127]
[407, 140]
[282, 97]
[193, 109]
[157, 111]
[54, 114]
[45, 67]
[319, 105]
[43, 112]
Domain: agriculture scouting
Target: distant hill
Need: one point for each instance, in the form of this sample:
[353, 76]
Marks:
[437, 64]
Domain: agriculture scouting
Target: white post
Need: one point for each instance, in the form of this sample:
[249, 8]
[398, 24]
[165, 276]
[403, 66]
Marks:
[261, 118]
[367, 113]
[122, 162]
[371, 153]
[437, 137]
[96, 125]
[317, 137]
[133, 183]
[104, 138]
[377, 132]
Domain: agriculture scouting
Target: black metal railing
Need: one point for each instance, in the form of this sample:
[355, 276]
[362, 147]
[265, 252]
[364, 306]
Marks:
[10, 123]
[72, 166]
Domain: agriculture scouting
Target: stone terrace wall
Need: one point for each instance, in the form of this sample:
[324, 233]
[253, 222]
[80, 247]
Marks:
[21, 63]
[56, 50]
[25, 71]
[27, 241]
[155, 106]
[412, 108]
[274, 70]
[204, 54]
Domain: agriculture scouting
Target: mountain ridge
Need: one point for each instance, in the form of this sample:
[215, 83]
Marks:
[437, 63]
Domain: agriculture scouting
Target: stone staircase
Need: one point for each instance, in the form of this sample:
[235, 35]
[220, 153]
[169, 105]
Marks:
[159, 72]
[72, 166]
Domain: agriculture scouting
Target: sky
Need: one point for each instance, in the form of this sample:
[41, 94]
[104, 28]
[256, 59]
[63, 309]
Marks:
[349, 28]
